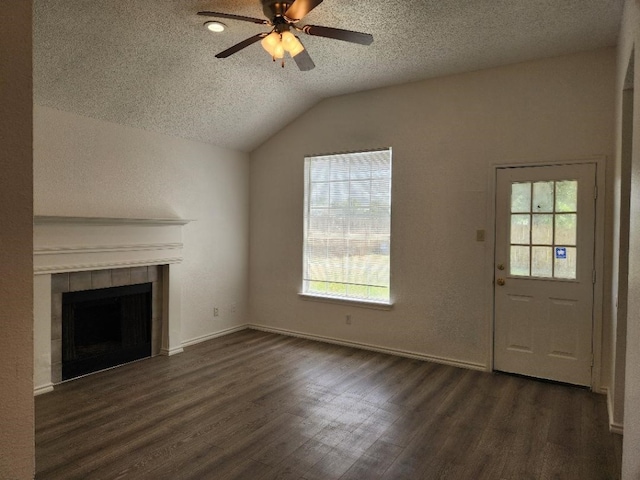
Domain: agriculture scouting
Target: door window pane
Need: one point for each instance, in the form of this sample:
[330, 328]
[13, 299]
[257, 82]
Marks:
[566, 229]
[521, 197]
[566, 267]
[544, 226]
[520, 227]
[542, 261]
[542, 233]
[567, 196]
[519, 261]
[543, 197]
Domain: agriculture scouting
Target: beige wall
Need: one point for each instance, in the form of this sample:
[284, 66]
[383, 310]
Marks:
[630, 35]
[16, 238]
[87, 167]
[446, 134]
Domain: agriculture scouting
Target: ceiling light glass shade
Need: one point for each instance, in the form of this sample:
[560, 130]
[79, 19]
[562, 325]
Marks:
[215, 26]
[291, 43]
[279, 51]
[273, 45]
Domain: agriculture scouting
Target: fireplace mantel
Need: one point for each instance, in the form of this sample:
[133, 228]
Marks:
[72, 244]
[82, 244]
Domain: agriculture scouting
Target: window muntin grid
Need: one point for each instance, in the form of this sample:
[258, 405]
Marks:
[543, 229]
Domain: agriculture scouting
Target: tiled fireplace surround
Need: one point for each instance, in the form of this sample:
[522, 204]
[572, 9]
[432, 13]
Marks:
[94, 279]
[78, 253]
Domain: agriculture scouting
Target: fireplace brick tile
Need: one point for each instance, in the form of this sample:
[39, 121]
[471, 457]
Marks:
[156, 295]
[56, 316]
[101, 279]
[152, 273]
[56, 351]
[121, 276]
[56, 372]
[139, 275]
[60, 283]
[79, 281]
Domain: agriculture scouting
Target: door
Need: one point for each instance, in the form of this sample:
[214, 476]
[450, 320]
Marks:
[544, 271]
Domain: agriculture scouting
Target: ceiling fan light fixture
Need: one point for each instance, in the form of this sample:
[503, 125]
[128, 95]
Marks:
[291, 43]
[214, 26]
[272, 43]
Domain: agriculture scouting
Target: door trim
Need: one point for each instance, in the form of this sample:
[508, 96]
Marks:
[600, 162]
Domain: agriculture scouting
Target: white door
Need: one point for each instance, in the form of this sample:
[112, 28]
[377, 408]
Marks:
[544, 272]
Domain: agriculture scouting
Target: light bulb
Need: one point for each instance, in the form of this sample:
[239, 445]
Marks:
[291, 43]
[279, 51]
[270, 43]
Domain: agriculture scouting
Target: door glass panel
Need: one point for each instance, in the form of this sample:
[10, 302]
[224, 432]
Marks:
[520, 227]
[566, 228]
[544, 226]
[565, 267]
[567, 196]
[519, 264]
[542, 233]
[521, 197]
[542, 261]
[543, 197]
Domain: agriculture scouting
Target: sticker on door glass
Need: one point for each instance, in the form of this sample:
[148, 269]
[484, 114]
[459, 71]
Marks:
[561, 253]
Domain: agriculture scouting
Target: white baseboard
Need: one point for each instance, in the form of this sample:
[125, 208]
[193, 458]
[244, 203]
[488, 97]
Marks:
[43, 389]
[614, 427]
[375, 348]
[211, 336]
[167, 352]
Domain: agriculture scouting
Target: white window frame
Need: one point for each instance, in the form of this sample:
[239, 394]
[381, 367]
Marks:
[343, 282]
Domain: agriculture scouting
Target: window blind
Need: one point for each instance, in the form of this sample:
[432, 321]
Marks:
[347, 225]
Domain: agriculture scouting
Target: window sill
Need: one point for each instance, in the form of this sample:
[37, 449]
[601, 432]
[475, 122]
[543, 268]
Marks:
[347, 301]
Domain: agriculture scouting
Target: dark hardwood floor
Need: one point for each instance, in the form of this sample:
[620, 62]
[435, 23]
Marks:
[260, 406]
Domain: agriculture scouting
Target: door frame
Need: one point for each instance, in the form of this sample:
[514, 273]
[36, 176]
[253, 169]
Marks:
[600, 162]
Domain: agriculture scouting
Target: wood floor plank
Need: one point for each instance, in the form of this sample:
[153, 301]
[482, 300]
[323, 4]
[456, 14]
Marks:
[259, 406]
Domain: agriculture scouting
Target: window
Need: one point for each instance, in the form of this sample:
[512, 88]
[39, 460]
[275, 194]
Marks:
[544, 223]
[347, 226]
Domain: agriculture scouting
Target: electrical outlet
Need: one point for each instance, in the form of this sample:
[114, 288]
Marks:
[215, 311]
[348, 319]
[233, 308]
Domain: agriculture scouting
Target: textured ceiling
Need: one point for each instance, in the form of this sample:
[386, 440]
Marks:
[150, 63]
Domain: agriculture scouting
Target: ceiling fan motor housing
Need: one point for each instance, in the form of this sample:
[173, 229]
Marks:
[274, 8]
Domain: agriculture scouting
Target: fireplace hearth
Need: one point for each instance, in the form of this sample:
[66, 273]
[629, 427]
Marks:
[105, 327]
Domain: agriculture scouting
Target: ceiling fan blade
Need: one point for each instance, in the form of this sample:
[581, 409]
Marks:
[235, 17]
[338, 34]
[239, 46]
[300, 8]
[304, 62]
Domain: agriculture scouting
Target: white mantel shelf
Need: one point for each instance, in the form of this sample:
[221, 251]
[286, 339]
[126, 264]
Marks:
[52, 220]
[72, 244]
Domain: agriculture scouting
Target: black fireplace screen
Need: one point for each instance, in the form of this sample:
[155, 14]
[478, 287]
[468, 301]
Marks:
[105, 327]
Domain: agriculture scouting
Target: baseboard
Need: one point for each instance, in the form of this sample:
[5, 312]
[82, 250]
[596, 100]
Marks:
[374, 348]
[43, 389]
[211, 336]
[614, 427]
[167, 352]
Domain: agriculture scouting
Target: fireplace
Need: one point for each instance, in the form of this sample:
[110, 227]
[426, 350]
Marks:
[74, 254]
[105, 327]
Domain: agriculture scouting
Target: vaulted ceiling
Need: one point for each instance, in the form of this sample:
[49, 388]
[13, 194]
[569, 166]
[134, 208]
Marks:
[150, 63]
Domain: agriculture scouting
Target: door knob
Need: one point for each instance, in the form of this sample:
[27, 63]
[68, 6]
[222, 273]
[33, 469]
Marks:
[500, 281]
[500, 266]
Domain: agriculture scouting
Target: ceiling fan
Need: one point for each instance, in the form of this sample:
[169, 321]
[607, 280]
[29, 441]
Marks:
[283, 16]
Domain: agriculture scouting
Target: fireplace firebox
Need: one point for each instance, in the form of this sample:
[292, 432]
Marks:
[105, 327]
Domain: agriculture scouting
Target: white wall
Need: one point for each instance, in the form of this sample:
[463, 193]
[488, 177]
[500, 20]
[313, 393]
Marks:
[630, 35]
[446, 133]
[87, 167]
[16, 244]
